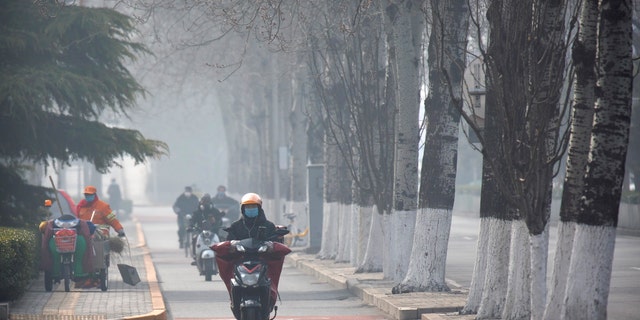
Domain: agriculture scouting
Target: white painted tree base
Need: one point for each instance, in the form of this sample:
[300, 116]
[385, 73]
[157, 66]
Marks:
[590, 273]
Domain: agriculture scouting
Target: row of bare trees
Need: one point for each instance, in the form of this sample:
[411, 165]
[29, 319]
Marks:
[341, 85]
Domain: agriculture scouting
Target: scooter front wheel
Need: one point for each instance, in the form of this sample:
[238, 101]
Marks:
[66, 275]
[104, 279]
[249, 314]
[48, 281]
[208, 269]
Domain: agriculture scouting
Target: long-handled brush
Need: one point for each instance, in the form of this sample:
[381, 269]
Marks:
[116, 245]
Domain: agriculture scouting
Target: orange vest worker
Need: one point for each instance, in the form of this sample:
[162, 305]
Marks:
[97, 211]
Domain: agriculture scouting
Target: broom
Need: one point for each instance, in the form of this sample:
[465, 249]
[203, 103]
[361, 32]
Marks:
[116, 245]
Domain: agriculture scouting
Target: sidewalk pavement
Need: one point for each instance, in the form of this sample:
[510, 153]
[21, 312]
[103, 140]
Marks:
[120, 301]
[375, 291]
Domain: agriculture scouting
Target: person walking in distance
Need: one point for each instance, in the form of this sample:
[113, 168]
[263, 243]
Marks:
[186, 203]
[115, 196]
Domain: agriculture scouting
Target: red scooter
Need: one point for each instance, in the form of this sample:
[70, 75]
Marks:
[250, 268]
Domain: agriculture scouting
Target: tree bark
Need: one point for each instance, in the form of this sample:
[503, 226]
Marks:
[406, 41]
[447, 49]
[590, 268]
[583, 58]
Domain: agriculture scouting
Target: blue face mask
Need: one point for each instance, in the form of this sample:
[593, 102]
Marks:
[251, 212]
[90, 197]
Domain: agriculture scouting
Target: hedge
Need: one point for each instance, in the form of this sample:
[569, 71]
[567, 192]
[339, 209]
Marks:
[18, 260]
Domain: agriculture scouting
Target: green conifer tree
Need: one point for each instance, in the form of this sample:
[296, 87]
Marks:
[61, 68]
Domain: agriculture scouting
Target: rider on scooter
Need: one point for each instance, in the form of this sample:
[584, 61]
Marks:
[206, 217]
[252, 229]
[251, 219]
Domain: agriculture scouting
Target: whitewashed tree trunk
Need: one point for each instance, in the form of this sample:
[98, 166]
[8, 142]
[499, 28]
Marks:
[372, 261]
[539, 246]
[331, 205]
[518, 300]
[298, 149]
[479, 269]
[561, 262]
[365, 219]
[354, 235]
[584, 52]
[494, 288]
[589, 273]
[439, 163]
[427, 266]
[406, 41]
[329, 231]
[388, 245]
[402, 222]
[592, 256]
[345, 233]
[546, 73]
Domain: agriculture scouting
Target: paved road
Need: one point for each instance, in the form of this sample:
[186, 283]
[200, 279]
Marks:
[188, 296]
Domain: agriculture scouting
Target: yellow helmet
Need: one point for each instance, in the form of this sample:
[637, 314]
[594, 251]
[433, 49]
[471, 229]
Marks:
[251, 198]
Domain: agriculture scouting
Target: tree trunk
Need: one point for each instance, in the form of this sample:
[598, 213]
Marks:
[480, 267]
[328, 249]
[497, 215]
[518, 301]
[590, 268]
[439, 163]
[372, 260]
[547, 60]
[406, 41]
[583, 57]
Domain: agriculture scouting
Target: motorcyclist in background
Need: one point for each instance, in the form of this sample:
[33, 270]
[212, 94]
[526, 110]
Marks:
[206, 217]
[225, 203]
[251, 220]
[186, 203]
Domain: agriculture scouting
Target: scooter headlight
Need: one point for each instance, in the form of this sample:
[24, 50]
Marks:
[206, 238]
[239, 247]
[249, 274]
[66, 224]
[249, 279]
[266, 247]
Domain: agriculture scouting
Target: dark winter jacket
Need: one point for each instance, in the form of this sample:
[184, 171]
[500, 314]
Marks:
[185, 205]
[230, 205]
[248, 227]
[202, 218]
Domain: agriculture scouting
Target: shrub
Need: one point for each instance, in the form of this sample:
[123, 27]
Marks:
[17, 261]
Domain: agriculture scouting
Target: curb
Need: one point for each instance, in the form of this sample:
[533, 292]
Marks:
[372, 289]
[159, 311]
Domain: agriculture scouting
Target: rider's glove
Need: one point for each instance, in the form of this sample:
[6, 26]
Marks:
[121, 233]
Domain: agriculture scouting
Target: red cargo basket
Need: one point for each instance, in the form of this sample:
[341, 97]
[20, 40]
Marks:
[65, 240]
